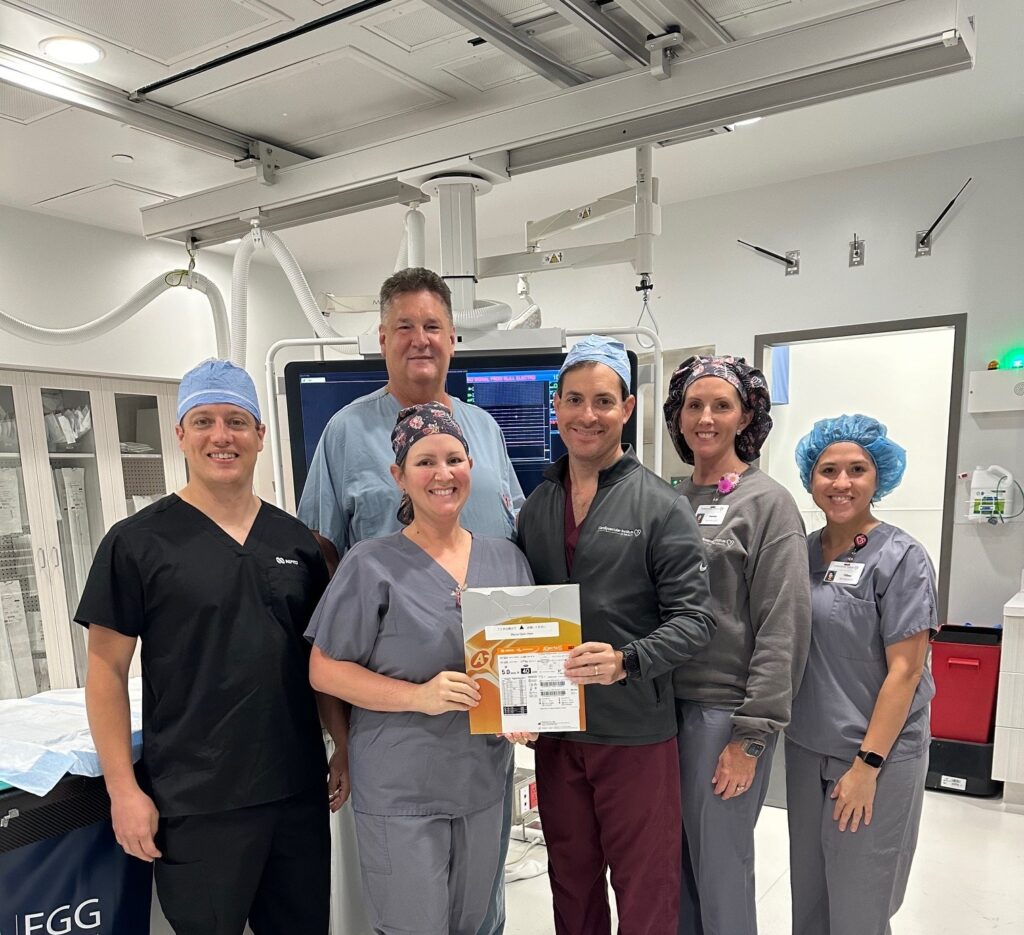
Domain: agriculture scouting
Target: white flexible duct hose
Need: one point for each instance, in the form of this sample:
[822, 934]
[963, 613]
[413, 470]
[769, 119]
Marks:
[126, 310]
[403, 253]
[240, 288]
[239, 297]
[486, 314]
[412, 250]
[415, 237]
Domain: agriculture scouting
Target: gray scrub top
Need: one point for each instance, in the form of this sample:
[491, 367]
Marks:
[350, 495]
[391, 608]
[851, 626]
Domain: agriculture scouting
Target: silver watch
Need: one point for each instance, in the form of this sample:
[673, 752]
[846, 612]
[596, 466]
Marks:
[754, 748]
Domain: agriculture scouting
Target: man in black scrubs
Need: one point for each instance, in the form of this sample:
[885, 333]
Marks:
[230, 799]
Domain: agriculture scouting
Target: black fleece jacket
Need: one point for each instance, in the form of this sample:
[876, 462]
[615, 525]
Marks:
[642, 573]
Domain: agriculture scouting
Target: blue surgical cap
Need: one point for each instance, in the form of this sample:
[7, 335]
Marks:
[217, 381]
[601, 350]
[889, 458]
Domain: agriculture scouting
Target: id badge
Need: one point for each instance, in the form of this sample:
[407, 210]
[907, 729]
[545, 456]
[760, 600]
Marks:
[845, 573]
[712, 514]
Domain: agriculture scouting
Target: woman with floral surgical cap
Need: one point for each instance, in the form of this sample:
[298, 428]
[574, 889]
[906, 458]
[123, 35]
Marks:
[857, 746]
[387, 638]
[734, 696]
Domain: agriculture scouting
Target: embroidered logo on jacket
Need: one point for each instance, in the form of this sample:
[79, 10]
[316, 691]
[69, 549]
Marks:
[614, 530]
[286, 561]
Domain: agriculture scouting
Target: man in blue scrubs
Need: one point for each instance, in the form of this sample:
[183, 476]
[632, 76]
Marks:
[349, 493]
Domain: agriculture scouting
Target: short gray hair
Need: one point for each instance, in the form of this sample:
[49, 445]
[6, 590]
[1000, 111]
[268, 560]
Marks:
[412, 280]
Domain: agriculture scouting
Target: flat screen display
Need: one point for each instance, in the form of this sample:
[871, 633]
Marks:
[516, 389]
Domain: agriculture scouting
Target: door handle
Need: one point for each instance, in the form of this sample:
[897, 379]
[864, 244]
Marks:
[41, 555]
[56, 556]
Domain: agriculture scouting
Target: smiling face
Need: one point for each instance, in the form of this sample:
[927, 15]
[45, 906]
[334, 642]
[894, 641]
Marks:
[417, 340]
[591, 414]
[843, 482]
[435, 476]
[711, 418]
[220, 443]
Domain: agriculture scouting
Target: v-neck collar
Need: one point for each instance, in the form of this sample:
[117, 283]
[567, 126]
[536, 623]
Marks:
[470, 565]
[214, 529]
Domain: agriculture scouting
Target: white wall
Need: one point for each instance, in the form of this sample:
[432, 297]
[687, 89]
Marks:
[709, 291]
[917, 417]
[60, 273]
[712, 291]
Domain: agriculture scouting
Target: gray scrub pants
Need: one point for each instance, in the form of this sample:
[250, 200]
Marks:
[494, 921]
[847, 883]
[717, 892]
[429, 875]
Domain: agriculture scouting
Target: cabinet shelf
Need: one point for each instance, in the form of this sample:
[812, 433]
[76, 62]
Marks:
[10, 455]
[154, 454]
[70, 455]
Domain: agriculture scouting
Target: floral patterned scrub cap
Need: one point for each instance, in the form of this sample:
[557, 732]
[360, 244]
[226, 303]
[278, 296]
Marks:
[416, 422]
[753, 391]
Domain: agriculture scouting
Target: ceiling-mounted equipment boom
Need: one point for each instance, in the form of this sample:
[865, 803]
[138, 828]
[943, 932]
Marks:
[872, 47]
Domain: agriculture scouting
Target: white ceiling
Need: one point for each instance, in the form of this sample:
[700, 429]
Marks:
[414, 67]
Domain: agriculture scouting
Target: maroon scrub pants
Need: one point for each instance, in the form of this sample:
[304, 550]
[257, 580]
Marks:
[617, 807]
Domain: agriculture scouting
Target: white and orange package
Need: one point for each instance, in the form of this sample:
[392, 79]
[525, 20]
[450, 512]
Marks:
[517, 641]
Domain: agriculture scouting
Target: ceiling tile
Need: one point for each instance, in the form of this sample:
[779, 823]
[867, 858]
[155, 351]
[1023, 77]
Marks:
[23, 106]
[114, 204]
[317, 97]
[412, 26]
[166, 32]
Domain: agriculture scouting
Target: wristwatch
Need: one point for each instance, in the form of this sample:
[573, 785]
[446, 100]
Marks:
[630, 663]
[754, 748]
[874, 760]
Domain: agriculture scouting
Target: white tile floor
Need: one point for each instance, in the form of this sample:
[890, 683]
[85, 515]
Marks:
[968, 875]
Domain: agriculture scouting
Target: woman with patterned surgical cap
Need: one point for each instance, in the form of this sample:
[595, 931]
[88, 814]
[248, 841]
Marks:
[734, 697]
[857, 747]
[387, 638]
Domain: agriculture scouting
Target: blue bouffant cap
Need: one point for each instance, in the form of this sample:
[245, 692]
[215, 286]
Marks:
[889, 458]
[601, 350]
[217, 381]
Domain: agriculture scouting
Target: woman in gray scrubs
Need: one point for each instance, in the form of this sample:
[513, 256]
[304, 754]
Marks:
[857, 746]
[387, 638]
[734, 697]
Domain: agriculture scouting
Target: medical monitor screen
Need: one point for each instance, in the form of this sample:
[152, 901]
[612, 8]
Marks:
[516, 389]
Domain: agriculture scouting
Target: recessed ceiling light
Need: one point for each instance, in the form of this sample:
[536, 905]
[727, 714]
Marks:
[122, 157]
[229, 242]
[744, 123]
[70, 50]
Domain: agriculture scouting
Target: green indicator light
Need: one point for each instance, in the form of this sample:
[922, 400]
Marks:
[1012, 359]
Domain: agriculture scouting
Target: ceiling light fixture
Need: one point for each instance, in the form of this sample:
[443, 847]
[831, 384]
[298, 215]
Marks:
[744, 123]
[71, 51]
[123, 157]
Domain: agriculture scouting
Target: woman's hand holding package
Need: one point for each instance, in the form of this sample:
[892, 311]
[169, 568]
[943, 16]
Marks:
[447, 691]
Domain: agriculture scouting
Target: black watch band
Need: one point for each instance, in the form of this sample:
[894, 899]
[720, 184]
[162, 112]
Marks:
[631, 663]
[874, 760]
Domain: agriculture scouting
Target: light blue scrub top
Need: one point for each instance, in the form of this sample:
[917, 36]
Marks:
[350, 494]
[851, 626]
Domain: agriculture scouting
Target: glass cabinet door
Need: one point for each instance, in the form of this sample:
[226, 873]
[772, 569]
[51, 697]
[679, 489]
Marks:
[23, 663]
[71, 447]
[142, 457]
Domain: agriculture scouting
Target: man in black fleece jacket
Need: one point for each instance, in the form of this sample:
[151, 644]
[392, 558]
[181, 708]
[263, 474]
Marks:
[609, 796]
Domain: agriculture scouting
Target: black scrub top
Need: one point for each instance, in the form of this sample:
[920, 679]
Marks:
[228, 716]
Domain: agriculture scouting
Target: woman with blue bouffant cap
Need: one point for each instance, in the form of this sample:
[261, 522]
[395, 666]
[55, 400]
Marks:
[857, 744]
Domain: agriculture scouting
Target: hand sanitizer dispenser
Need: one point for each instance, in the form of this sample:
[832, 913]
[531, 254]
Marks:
[992, 494]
